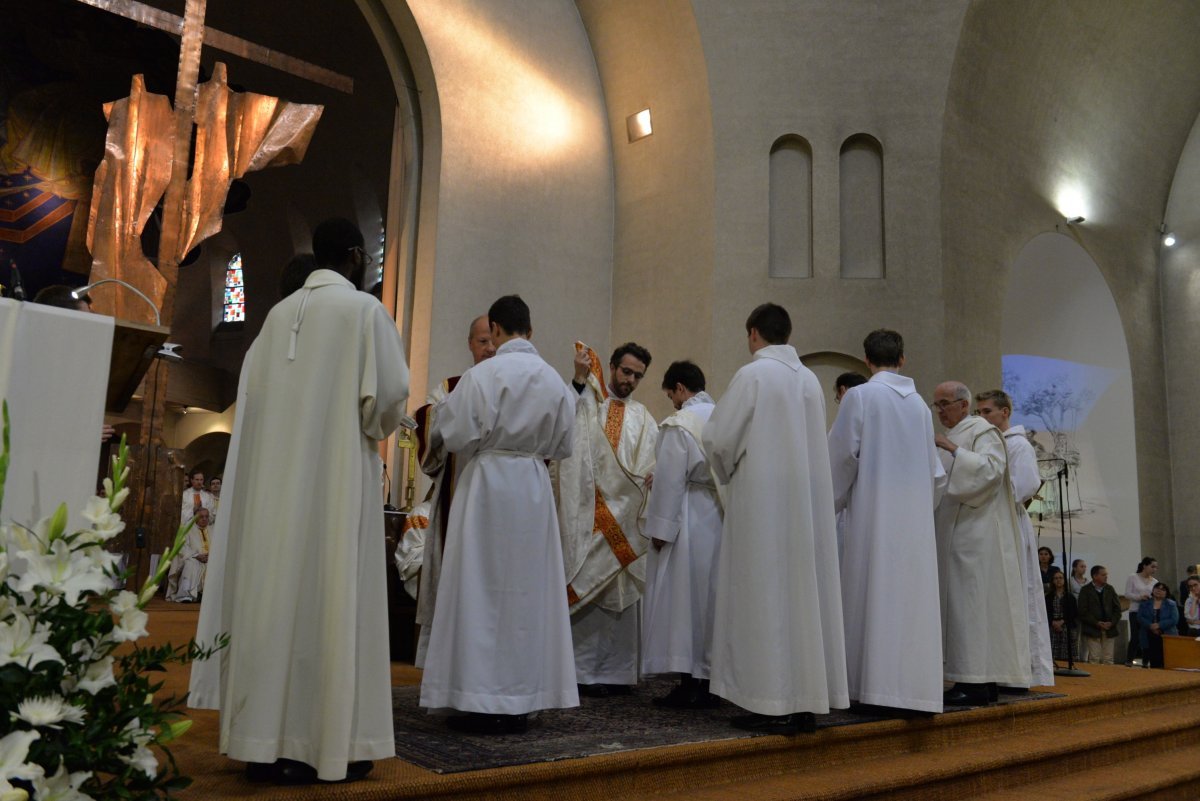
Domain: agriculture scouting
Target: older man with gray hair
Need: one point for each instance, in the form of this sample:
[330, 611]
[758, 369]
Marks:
[985, 630]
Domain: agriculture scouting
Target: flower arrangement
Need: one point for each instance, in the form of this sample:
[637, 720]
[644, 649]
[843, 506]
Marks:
[78, 715]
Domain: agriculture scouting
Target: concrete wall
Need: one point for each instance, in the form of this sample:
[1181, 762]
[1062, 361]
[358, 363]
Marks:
[1047, 100]
[518, 176]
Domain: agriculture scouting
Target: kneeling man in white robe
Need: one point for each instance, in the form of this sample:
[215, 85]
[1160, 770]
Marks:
[778, 643]
[887, 478]
[683, 520]
[500, 645]
[986, 629]
[185, 581]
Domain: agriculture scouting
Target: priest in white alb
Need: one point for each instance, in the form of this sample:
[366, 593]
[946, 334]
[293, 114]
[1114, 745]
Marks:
[602, 492]
[500, 646]
[185, 579]
[887, 478]
[984, 618]
[442, 467]
[195, 497]
[778, 643]
[683, 521]
[995, 406]
[305, 685]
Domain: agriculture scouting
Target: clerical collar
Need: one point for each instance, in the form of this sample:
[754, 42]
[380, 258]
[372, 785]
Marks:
[699, 397]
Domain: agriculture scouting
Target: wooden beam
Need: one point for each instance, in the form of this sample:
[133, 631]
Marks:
[228, 43]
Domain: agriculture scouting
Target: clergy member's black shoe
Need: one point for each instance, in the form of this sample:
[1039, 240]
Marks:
[993, 692]
[1003, 690]
[794, 723]
[291, 773]
[259, 772]
[480, 723]
[594, 690]
[965, 694]
[358, 770]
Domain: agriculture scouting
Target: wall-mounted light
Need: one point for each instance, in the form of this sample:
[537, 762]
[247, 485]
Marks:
[1076, 220]
[638, 125]
[1169, 240]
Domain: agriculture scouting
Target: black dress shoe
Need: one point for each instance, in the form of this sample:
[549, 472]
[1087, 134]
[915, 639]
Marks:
[289, 772]
[964, 694]
[358, 770]
[594, 690]
[1003, 690]
[480, 723]
[794, 723]
[259, 772]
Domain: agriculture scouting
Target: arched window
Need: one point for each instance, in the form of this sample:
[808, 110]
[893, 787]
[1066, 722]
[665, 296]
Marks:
[790, 252]
[235, 291]
[861, 207]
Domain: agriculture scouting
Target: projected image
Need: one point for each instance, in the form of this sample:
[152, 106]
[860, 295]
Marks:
[1054, 400]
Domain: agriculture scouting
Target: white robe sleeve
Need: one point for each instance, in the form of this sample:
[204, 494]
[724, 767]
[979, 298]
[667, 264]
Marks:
[975, 474]
[383, 382]
[726, 431]
[462, 417]
[664, 511]
[1022, 469]
[564, 432]
[845, 440]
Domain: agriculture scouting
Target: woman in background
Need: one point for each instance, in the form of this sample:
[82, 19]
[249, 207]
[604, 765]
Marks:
[1157, 616]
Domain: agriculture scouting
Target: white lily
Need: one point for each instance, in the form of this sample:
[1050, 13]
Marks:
[105, 524]
[97, 676]
[62, 571]
[130, 626]
[14, 749]
[62, 786]
[142, 757]
[24, 643]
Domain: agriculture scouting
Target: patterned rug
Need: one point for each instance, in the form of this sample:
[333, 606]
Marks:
[598, 726]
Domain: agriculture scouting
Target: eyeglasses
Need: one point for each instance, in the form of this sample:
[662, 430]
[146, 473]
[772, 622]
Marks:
[943, 405]
[364, 255]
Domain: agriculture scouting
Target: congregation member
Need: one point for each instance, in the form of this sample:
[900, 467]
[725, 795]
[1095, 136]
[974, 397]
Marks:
[1138, 587]
[1192, 572]
[500, 645]
[601, 494]
[443, 468]
[1078, 577]
[778, 643]
[1157, 616]
[305, 688]
[995, 406]
[683, 521]
[185, 579]
[1063, 614]
[887, 478]
[984, 614]
[214, 489]
[1046, 566]
[1190, 625]
[1099, 612]
[195, 497]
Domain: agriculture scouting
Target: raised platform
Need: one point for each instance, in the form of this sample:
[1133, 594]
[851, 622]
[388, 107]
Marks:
[1124, 733]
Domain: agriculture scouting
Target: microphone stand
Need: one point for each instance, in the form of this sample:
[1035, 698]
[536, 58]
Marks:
[1070, 669]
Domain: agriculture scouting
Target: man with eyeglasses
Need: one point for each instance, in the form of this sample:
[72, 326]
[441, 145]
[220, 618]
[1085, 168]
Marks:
[986, 640]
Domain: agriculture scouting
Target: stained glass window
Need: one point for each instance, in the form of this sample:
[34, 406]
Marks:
[235, 291]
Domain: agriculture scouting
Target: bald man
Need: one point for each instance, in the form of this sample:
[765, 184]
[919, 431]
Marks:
[985, 629]
[440, 466]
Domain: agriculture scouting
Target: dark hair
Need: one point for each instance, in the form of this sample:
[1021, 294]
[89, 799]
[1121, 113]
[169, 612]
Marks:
[1145, 563]
[772, 323]
[1096, 569]
[192, 473]
[686, 373]
[295, 273]
[884, 348]
[512, 315]
[630, 349]
[849, 380]
[1074, 563]
[333, 240]
[1047, 550]
[59, 295]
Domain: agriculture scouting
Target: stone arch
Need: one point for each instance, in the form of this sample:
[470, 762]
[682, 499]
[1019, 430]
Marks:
[828, 365]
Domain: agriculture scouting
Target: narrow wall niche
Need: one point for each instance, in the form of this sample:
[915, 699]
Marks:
[861, 207]
[791, 208]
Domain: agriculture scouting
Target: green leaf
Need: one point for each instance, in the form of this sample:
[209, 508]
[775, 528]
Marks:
[58, 523]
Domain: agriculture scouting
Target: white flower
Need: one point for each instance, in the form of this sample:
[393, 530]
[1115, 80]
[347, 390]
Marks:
[97, 676]
[130, 626]
[24, 643]
[105, 524]
[10, 793]
[61, 571]
[14, 538]
[14, 748]
[123, 602]
[142, 757]
[62, 786]
[47, 711]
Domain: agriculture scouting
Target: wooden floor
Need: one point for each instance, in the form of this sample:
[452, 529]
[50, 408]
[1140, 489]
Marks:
[1081, 745]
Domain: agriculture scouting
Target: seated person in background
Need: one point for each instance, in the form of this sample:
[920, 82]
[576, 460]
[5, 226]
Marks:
[1190, 626]
[185, 581]
[1063, 615]
[1157, 616]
